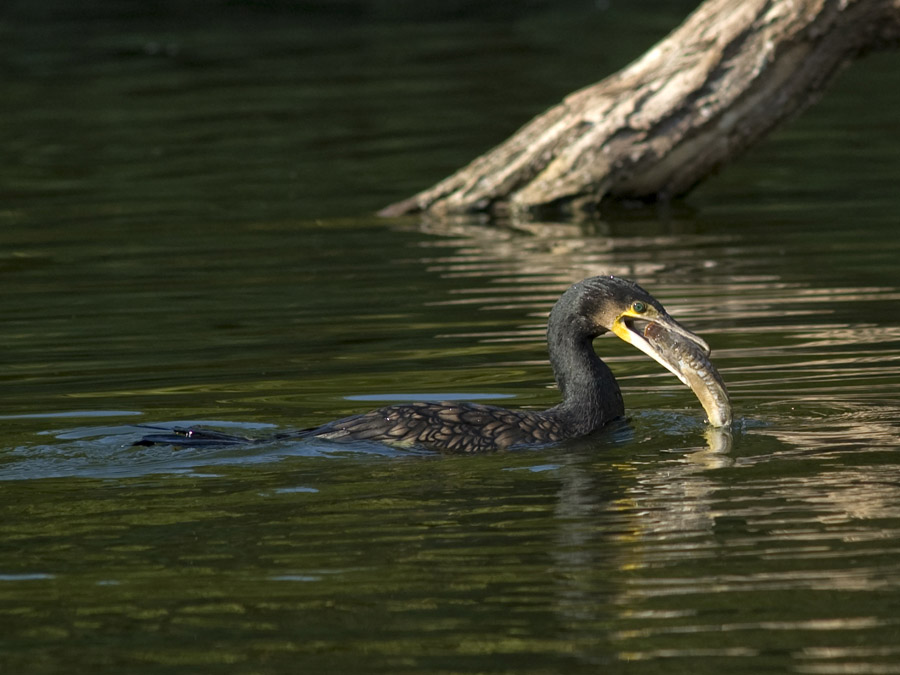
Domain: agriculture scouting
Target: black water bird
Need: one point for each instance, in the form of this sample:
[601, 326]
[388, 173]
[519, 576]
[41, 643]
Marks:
[591, 397]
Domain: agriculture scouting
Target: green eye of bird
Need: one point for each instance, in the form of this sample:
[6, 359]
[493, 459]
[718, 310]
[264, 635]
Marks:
[638, 307]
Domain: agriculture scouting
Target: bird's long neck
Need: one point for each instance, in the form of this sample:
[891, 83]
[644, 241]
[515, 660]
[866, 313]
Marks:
[590, 393]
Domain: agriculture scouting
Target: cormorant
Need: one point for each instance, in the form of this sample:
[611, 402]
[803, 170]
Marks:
[590, 395]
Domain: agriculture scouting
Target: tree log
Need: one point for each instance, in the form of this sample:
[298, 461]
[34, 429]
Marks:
[730, 73]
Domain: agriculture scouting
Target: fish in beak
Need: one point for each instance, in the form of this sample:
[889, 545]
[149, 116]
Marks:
[679, 351]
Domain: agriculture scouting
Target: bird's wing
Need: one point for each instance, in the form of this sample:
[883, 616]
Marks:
[448, 426]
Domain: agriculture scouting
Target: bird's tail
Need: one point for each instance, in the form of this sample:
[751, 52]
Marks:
[189, 437]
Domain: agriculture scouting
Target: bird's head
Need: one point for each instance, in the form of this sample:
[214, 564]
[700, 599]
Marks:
[628, 311]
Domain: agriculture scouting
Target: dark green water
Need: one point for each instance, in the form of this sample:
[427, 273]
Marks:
[183, 238]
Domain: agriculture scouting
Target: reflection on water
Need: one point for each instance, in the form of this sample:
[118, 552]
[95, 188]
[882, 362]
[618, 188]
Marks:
[161, 265]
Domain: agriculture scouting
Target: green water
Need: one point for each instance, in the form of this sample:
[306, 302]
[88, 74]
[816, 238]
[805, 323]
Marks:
[184, 238]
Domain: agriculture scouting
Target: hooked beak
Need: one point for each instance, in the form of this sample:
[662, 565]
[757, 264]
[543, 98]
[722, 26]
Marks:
[682, 353]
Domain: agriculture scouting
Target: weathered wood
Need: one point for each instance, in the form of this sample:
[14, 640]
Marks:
[730, 73]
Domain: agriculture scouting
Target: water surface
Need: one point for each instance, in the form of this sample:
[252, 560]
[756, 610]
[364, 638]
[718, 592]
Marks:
[184, 240]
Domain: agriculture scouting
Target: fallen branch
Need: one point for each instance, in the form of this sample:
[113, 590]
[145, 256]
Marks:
[717, 84]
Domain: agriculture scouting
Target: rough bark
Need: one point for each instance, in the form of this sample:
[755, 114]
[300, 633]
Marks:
[730, 73]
